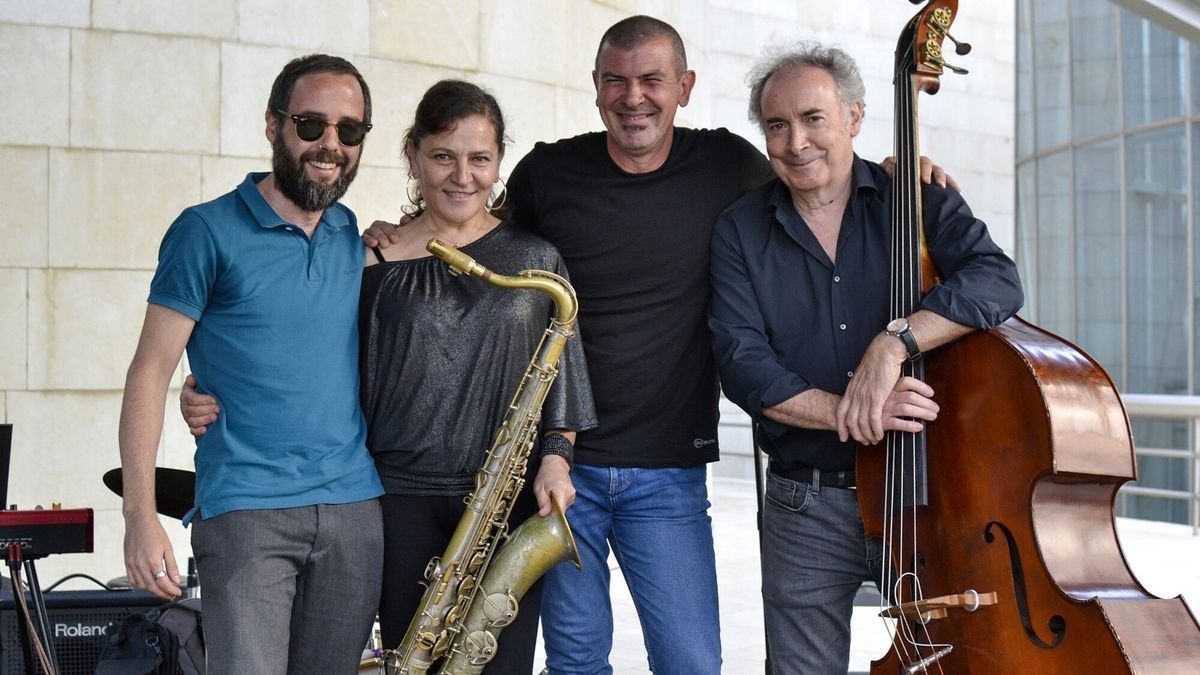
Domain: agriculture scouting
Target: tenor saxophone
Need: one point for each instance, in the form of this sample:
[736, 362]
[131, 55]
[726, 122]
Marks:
[472, 591]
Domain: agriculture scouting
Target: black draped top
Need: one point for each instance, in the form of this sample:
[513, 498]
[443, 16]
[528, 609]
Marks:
[441, 356]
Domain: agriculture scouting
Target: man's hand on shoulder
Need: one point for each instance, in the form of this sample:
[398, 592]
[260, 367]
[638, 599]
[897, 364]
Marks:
[383, 234]
[930, 172]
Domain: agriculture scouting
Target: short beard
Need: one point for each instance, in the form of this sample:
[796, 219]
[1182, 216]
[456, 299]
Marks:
[295, 184]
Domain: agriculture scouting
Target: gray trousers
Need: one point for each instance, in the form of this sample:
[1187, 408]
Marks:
[814, 558]
[289, 591]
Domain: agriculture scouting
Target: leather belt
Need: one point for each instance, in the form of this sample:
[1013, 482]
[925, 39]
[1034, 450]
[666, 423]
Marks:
[806, 474]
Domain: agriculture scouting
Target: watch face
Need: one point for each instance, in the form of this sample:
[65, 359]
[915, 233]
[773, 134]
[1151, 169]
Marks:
[896, 326]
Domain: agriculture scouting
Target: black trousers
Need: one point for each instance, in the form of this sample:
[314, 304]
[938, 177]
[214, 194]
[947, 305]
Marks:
[415, 529]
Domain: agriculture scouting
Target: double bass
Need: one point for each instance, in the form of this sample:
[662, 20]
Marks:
[997, 519]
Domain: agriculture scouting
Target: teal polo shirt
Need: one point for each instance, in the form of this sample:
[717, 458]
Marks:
[276, 343]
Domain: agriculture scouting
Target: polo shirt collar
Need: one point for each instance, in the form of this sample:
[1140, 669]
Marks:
[265, 216]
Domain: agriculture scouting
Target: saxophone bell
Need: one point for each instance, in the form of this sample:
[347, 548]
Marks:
[537, 545]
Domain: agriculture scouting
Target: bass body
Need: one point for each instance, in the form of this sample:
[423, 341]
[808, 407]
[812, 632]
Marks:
[1023, 474]
[997, 519]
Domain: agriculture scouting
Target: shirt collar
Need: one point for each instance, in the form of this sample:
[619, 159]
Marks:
[780, 200]
[862, 177]
[332, 217]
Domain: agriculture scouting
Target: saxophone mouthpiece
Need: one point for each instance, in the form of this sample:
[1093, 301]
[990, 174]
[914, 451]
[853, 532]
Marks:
[459, 262]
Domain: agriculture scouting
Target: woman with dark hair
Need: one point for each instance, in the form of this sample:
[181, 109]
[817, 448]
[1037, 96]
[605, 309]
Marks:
[440, 357]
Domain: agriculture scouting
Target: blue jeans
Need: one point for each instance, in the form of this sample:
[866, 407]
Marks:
[289, 590]
[814, 558]
[657, 523]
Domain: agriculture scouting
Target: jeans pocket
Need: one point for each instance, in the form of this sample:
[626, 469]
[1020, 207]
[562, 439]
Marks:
[788, 495]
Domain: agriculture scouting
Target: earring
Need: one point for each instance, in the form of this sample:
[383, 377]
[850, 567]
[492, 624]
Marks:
[499, 199]
[415, 198]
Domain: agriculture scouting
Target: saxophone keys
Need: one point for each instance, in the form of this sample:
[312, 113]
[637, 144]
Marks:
[427, 639]
[480, 647]
[500, 609]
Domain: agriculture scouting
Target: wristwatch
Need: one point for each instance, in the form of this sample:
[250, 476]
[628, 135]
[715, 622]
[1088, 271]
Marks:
[899, 328]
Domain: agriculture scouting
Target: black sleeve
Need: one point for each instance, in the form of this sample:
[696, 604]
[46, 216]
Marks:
[569, 403]
[523, 211]
[980, 287]
[753, 164]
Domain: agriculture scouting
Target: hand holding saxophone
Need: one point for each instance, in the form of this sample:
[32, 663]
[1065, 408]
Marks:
[553, 480]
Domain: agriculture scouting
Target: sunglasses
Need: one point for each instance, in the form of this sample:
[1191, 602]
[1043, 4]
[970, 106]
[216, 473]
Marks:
[312, 128]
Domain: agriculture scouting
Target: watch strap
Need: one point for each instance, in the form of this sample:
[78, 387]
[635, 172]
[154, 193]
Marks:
[910, 343]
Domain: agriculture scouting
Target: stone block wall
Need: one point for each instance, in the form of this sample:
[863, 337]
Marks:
[120, 113]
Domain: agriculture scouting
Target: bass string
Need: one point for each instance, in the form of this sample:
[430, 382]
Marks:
[902, 470]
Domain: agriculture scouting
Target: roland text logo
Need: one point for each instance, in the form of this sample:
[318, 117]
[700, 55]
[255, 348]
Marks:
[72, 630]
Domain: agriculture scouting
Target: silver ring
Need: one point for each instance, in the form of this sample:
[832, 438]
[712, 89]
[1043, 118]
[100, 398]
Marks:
[160, 574]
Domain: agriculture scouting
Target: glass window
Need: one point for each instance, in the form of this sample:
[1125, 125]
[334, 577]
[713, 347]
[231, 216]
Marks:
[1196, 244]
[1056, 246]
[1153, 62]
[1098, 273]
[1156, 217]
[1168, 473]
[1195, 78]
[1094, 83]
[1027, 237]
[1052, 73]
[1025, 120]
[1103, 244]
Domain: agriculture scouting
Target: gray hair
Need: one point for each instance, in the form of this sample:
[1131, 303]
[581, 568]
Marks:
[837, 63]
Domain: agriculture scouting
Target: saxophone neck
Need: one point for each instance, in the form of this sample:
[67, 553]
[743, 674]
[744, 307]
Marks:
[559, 289]
[566, 303]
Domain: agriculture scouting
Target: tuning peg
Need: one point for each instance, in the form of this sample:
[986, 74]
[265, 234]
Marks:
[960, 48]
[940, 62]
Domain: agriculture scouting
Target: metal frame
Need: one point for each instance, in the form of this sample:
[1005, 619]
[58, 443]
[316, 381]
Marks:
[1163, 407]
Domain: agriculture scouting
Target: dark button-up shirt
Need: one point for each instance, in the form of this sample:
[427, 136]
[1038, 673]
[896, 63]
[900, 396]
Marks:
[786, 319]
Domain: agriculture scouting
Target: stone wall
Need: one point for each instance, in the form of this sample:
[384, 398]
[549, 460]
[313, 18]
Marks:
[120, 113]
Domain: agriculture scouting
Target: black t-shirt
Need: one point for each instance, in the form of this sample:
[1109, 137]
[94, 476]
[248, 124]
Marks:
[637, 246]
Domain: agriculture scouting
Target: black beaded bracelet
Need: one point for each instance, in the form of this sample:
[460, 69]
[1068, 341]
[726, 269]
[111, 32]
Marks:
[557, 444]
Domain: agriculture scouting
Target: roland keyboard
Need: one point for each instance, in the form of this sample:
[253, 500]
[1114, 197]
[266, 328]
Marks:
[41, 532]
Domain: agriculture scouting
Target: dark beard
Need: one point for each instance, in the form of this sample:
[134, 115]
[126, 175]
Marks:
[298, 187]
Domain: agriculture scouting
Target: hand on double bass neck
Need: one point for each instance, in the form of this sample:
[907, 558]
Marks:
[860, 412]
[866, 417]
[877, 398]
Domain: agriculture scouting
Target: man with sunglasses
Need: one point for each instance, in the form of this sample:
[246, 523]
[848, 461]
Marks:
[261, 287]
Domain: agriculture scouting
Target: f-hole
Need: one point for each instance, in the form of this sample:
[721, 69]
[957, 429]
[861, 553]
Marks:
[1057, 625]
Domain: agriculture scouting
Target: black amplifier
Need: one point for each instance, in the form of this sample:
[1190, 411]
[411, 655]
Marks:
[79, 621]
